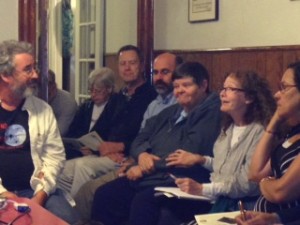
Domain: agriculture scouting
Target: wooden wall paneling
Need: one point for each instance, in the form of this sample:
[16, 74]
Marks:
[274, 68]
[27, 21]
[111, 61]
[222, 63]
[269, 62]
[260, 66]
[289, 56]
[247, 61]
[145, 30]
[206, 59]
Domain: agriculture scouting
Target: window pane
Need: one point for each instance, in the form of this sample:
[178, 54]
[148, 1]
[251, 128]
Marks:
[87, 11]
[87, 43]
[85, 69]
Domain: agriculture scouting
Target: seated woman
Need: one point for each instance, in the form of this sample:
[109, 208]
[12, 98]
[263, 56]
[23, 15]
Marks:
[183, 125]
[101, 84]
[276, 167]
[247, 104]
[288, 216]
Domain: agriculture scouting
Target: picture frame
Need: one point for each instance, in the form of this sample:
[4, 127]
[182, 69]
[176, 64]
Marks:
[203, 10]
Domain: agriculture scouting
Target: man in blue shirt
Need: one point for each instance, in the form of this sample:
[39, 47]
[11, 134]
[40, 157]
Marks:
[164, 66]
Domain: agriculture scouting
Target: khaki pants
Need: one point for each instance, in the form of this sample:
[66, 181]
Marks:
[85, 195]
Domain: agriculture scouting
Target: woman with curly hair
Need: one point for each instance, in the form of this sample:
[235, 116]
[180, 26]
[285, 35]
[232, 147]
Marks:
[247, 104]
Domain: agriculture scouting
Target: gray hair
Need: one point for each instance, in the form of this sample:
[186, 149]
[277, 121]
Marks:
[102, 76]
[8, 50]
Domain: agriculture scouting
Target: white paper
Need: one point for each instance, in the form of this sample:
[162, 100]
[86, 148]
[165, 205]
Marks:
[214, 218]
[176, 192]
[91, 140]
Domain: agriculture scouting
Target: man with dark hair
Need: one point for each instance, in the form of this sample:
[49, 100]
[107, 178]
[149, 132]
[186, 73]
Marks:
[118, 125]
[132, 48]
[181, 126]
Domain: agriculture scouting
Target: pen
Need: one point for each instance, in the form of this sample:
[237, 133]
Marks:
[242, 210]
[172, 176]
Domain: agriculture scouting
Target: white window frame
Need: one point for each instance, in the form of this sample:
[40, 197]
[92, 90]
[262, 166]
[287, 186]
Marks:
[81, 79]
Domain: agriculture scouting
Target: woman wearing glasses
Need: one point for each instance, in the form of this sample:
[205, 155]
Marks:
[247, 104]
[276, 162]
[101, 84]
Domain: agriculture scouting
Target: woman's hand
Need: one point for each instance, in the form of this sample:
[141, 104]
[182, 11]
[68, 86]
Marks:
[189, 186]
[182, 158]
[275, 122]
[86, 151]
[258, 218]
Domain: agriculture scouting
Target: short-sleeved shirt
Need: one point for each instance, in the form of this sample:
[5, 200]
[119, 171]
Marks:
[16, 165]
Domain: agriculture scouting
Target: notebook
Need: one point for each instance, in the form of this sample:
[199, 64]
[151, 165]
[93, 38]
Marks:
[91, 140]
[176, 192]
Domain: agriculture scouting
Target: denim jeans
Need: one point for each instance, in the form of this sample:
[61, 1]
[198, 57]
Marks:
[56, 204]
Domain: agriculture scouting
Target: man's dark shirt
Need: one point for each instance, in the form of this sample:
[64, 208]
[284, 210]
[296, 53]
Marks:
[122, 116]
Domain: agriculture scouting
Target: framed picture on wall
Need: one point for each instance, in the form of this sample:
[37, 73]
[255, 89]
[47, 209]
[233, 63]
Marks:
[203, 10]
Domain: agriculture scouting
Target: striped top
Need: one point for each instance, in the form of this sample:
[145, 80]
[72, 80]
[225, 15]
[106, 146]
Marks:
[281, 159]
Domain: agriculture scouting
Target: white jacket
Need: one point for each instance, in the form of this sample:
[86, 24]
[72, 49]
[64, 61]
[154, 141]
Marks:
[47, 149]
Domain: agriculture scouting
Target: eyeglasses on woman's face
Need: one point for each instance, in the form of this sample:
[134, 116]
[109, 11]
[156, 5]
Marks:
[97, 91]
[285, 87]
[231, 90]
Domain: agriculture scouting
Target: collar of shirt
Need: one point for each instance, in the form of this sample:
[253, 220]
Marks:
[182, 116]
[170, 97]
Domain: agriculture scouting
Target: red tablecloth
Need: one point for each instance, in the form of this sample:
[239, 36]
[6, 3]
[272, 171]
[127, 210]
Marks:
[37, 215]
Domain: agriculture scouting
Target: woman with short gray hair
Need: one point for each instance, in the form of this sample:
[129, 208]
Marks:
[101, 77]
[101, 82]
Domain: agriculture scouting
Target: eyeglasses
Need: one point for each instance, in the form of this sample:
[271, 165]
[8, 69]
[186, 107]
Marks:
[285, 87]
[163, 72]
[29, 70]
[231, 89]
[96, 91]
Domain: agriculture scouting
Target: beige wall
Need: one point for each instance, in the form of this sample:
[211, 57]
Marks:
[121, 24]
[242, 23]
[9, 19]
